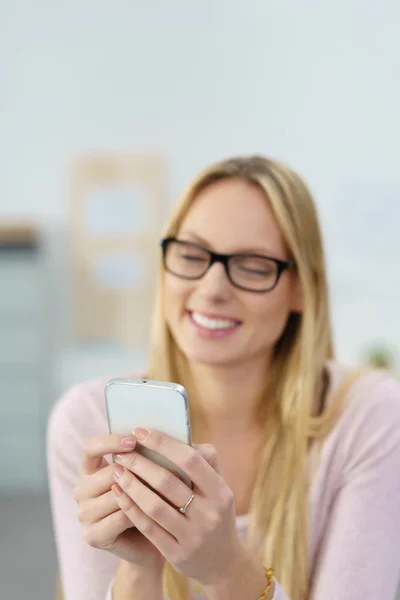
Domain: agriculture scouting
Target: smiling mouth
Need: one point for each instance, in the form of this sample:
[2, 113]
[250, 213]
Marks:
[213, 323]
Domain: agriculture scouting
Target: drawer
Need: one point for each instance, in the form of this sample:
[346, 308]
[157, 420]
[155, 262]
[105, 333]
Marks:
[22, 462]
[21, 343]
[21, 403]
[22, 285]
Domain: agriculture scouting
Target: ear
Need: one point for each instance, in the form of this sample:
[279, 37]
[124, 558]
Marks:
[297, 303]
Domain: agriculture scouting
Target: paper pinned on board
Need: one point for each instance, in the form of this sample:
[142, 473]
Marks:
[117, 210]
[120, 271]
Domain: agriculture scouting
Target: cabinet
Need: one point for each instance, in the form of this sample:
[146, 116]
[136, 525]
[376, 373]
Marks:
[23, 353]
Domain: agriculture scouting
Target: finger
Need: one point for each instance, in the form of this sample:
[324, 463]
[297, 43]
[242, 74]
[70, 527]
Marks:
[95, 509]
[92, 486]
[97, 447]
[151, 504]
[103, 534]
[158, 536]
[186, 457]
[209, 454]
[160, 479]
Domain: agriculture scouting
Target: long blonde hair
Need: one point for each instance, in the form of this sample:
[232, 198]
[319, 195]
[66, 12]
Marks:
[279, 505]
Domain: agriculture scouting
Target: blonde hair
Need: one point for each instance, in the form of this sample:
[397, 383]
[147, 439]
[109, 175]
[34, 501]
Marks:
[279, 505]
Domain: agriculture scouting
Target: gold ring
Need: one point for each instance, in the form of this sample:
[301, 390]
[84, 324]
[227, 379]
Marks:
[183, 509]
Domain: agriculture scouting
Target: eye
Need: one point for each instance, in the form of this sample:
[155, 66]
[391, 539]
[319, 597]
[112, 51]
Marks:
[261, 272]
[190, 253]
[255, 265]
[193, 257]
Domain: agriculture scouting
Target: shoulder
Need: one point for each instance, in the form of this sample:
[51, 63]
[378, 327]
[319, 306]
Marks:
[373, 394]
[370, 423]
[81, 407]
[80, 413]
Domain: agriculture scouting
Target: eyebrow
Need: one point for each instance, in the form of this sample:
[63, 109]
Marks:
[247, 250]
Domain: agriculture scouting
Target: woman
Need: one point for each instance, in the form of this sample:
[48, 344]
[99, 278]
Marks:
[301, 474]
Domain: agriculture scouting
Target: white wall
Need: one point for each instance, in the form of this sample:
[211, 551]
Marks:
[314, 83]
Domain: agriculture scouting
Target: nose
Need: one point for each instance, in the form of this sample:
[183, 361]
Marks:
[215, 285]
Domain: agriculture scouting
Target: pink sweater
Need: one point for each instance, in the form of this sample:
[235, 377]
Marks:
[354, 500]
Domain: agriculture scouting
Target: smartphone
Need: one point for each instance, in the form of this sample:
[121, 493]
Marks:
[149, 404]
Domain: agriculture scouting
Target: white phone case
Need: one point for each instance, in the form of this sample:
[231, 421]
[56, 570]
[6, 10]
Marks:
[149, 404]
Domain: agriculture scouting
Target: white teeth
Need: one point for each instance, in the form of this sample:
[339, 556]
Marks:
[212, 323]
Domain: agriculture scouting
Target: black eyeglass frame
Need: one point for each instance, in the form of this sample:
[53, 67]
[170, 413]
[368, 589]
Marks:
[216, 257]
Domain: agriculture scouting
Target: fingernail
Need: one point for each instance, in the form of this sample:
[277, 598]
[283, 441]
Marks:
[140, 434]
[128, 442]
[119, 457]
[118, 471]
[117, 490]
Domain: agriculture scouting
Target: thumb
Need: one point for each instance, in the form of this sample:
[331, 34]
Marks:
[209, 454]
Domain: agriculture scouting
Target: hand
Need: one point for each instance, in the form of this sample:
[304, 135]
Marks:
[105, 525]
[202, 543]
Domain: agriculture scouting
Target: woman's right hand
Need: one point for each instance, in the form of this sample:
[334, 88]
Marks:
[105, 526]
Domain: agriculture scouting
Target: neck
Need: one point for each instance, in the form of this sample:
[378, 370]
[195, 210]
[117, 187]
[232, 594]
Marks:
[228, 397]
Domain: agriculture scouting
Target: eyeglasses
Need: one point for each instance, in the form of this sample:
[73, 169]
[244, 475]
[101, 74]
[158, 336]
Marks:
[249, 272]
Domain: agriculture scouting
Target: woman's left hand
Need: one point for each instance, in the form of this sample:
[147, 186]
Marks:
[202, 543]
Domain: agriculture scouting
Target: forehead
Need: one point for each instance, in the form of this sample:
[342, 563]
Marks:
[233, 215]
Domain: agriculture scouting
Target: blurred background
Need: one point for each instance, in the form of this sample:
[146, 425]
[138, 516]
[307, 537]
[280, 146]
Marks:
[107, 110]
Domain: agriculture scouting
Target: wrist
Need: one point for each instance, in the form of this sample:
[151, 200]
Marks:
[243, 579]
[134, 571]
[137, 581]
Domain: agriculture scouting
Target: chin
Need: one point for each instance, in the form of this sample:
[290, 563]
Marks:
[212, 358]
[211, 362]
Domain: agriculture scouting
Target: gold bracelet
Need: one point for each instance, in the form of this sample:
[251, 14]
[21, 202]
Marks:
[269, 574]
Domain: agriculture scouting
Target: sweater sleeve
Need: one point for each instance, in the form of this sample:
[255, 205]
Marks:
[109, 591]
[359, 556]
[85, 571]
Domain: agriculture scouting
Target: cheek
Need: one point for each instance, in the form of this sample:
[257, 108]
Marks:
[272, 313]
[178, 288]
[177, 292]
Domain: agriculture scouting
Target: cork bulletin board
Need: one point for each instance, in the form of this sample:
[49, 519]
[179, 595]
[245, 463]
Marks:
[119, 206]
